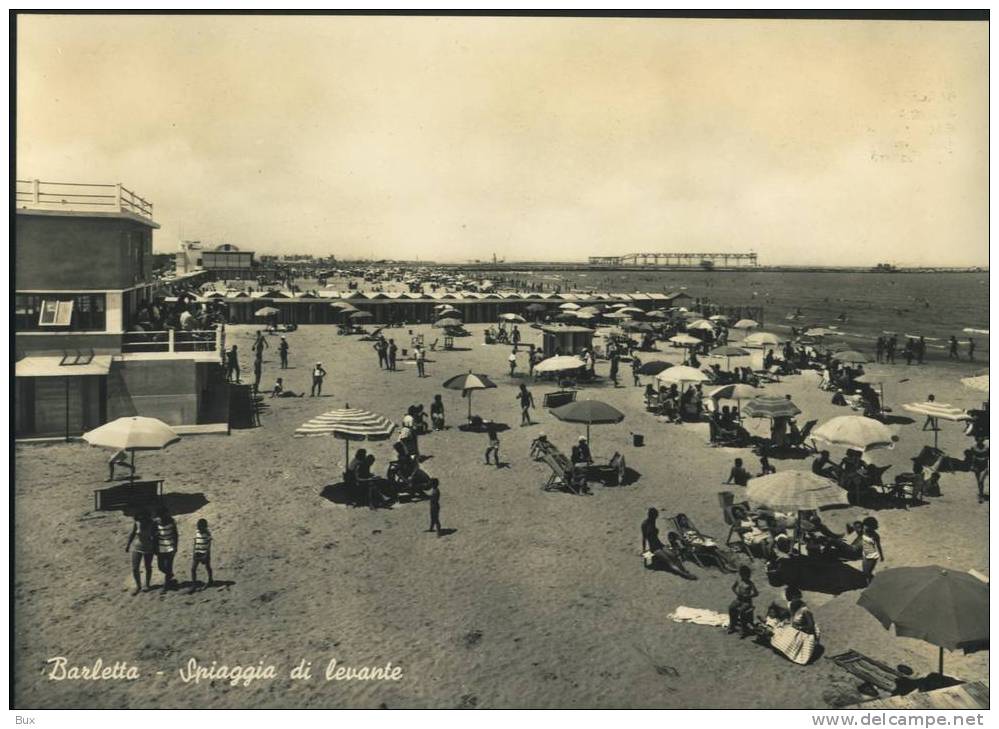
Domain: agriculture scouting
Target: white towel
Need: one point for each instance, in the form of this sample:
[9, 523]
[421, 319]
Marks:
[699, 616]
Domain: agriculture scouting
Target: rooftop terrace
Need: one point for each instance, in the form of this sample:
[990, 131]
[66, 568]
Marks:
[72, 197]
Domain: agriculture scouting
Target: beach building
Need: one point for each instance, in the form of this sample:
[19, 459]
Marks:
[84, 267]
[564, 339]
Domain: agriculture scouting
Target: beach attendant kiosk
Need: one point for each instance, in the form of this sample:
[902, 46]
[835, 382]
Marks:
[565, 340]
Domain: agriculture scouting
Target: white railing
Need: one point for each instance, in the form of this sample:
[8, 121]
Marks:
[80, 196]
[173, 340]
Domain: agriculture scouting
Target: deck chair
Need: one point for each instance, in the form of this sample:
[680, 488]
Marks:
[802, 440]
[734, 540]
[700, 545]
[869, 670]
[930, 458]
[563, 475]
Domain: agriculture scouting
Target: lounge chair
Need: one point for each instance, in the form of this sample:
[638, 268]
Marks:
[801, 441]
[868, 669]
[564, 475]
[702, 547]
[734, 540]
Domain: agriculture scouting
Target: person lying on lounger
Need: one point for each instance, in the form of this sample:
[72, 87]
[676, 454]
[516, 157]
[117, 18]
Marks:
[702, 546]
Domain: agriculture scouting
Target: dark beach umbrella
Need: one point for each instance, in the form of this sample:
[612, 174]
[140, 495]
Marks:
[728, 352]
[447, 322]
[591, 412]
[358, 315]
[468, 383]
[771, 406]
[536, 308]
[944, 607]
[638, 326]
[654, 367]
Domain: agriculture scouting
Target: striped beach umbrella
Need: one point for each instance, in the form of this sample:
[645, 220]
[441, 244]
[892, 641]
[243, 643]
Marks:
[469, 383]
[771, 406]
[936, 411]
[348, 424]
[796, 491]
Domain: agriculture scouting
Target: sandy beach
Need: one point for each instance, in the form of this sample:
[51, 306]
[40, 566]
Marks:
[535, 600]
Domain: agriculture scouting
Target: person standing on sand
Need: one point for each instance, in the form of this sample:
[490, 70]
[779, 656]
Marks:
[920, 349]
[971, 349]
[636, 363]
[381, 349]
[260, 344]
[166, 546]
[614, 364]
[258, 371]
[979, 456]
[871, 550]
[435, 507]
[144, 535]
[232, 366]
[512, 359]
[890, 347]
[421, 361]
[392, 350]
[879, 349]
[283, 351]
[494, 442]
[318, 373]
[202, 554]
[953, 354]
[740, 612]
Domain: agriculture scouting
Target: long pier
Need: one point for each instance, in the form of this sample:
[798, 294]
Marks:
[678, 260]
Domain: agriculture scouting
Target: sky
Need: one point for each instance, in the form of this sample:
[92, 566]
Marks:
[453, 139]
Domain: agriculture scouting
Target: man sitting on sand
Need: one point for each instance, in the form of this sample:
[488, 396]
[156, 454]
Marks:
[738, 475]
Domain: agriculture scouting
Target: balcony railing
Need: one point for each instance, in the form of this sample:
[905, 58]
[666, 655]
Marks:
[173, 340]
[86, 197]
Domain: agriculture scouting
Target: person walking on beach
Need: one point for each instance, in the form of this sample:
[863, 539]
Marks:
[318, 373]
[381, 349]
[144, 535]
[515, 337]
[435, 507]
[971, 349]
[636, 363]
[526, 403]
[614, 364]
[879, 349]
[980, 465]
[908, 351]
[512, 359]
[494, 442]
[166, 546]
[232, 366]
[437, 413]
[392, 350]
[283, 351]
[202, 554]
[920, 349]
[870, 548]
[890, 346]
[953, 354]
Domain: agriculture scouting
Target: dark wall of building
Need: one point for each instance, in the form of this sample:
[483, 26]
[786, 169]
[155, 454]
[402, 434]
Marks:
[57, 343]
[73, 253]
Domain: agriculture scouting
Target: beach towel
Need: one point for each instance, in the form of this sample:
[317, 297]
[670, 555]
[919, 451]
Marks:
[699, 616]
[798, 647]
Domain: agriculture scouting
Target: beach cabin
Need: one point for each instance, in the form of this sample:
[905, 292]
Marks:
[565, 340]
[84, 268]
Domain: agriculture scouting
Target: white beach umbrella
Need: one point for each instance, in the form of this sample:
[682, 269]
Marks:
[681, 374]
[559, 364]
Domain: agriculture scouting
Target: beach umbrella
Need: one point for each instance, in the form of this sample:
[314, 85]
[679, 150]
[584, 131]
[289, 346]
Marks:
[737, 391]
[937, 411]
[343, 305]
[447, 322]
[568, 306]
[631, 310]
[348, 424]
[728, 352]
[658, 314]
[944, 607]
[721, 318]
[134, 433]
[701, 324]
[469, 383]
[617, 306]
[795, 491]
[266, 312]
[619, 314]
[979, 382]
[512, 318]
[761, 339]
[584, 315]
[851, 356]
[685, 340]
[654, 367]
[771, 406]
[819, 332]
[559, 364]
[856, 431]
[537, 308]
[638, 326]
[565, 316]
[691, 314]
[591, 412]
[681, 374]
[358, 315]
[746, 324]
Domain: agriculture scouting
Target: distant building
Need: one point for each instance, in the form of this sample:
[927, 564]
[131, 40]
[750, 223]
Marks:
[228, 262]
[84, 268]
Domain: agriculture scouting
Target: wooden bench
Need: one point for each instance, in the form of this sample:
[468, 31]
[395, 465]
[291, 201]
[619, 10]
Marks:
[124, 495]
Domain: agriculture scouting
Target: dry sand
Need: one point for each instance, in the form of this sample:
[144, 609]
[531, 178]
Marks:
[536, 600]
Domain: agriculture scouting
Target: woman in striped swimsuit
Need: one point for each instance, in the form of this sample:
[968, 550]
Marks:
[166, 546]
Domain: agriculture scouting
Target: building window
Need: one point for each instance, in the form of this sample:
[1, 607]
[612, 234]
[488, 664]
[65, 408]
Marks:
[72, 312]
